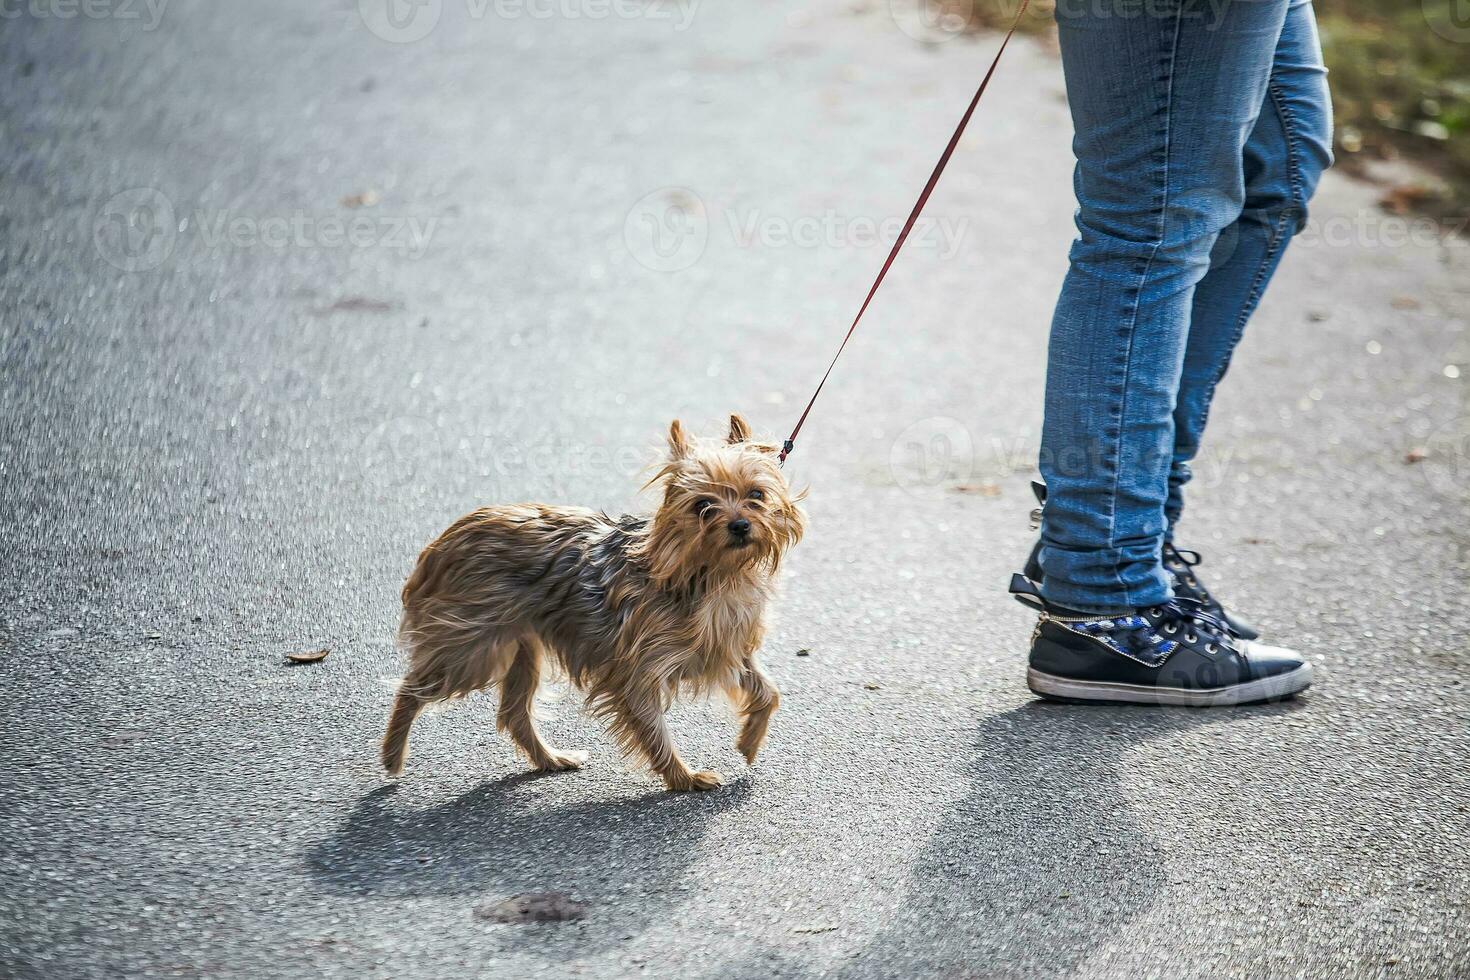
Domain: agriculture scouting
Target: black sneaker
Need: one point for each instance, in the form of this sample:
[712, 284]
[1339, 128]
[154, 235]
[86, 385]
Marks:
[1175, 654]
[1180, 565]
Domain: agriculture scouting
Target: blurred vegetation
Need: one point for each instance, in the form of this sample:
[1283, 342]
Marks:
[1400, 77]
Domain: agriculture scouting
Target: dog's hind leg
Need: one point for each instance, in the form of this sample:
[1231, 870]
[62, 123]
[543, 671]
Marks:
[517, 715]
[406, 707]
[445, 662]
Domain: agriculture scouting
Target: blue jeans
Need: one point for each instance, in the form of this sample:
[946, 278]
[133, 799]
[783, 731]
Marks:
[1202, 127]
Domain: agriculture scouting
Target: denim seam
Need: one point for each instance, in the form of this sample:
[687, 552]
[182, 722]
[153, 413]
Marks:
[1137, 293]
[1277, 242]
[1293, 156]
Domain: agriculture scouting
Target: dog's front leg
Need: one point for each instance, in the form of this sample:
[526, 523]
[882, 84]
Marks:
[638, 722]
[758, 699]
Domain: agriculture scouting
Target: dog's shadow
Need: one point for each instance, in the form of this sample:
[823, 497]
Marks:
[508, 837]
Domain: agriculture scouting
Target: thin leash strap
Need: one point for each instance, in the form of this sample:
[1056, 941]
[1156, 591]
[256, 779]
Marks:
[954, 141]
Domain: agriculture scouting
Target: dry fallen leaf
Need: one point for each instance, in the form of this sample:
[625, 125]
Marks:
[1416, 455]
[1405, 197]
[120, 741]
[980, 489]
[366, 199]
[358, 304]
[871, 686]
[533, 907]
[310, 656]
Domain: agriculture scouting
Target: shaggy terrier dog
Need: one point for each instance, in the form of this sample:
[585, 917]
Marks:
[632, 611]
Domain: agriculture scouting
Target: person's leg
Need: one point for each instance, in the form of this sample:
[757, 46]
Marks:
[1285, 156]
[1164, 94]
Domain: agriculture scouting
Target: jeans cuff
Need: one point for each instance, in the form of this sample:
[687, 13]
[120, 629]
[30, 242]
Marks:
[1102, 582]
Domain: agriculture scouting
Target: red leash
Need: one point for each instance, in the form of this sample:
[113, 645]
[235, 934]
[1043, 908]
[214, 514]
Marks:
[954, 141]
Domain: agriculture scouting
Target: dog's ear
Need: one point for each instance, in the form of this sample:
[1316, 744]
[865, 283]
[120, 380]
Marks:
[679, 446]
[739, 430]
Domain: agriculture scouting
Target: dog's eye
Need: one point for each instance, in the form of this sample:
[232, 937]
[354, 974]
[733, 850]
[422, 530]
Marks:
[757, 494]
[701, 505]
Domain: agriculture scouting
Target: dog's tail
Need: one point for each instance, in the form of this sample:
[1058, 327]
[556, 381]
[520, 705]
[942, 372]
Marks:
[406, 708]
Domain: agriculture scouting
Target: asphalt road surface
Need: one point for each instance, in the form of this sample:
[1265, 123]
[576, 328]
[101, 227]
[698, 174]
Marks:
[285, 288]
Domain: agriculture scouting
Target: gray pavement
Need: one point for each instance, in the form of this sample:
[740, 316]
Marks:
[234, 407]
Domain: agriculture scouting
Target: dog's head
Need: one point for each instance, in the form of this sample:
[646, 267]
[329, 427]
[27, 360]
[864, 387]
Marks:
[726, 505]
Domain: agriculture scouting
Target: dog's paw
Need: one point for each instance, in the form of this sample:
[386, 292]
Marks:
[564, 762]
[697, 782]
[752, 737]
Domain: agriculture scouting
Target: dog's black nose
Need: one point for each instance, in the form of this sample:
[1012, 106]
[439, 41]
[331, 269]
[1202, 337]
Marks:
[739, 527]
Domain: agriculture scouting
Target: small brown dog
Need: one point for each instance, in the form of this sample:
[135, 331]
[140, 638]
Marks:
[633, 610]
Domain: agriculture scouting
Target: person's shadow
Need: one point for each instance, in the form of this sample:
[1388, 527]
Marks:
[503, 838]
[1045, 858]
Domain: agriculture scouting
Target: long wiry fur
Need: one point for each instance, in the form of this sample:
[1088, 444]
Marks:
[633, 610]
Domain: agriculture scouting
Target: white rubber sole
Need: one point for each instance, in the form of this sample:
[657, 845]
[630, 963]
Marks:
[1265, 689]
